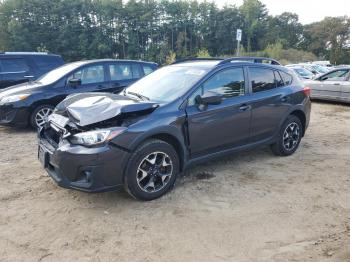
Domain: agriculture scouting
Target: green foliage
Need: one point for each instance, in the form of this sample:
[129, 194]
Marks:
[329, 38]
[170, 58]
[203, 53]
[285, 56]
[162, 30]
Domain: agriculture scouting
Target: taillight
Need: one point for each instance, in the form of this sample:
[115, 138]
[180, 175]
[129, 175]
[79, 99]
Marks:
[307, 91]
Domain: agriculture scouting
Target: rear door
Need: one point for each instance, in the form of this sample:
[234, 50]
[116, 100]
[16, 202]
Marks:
[216, 127]
[269, 100]
[122, 74]
[13, 71]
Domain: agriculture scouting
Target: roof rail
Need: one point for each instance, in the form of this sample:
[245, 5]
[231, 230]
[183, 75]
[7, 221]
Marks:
[189, 59]
[250, 59]
[24, 53]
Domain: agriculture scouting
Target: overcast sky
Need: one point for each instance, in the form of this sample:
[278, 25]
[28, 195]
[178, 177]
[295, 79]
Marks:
[308, 10]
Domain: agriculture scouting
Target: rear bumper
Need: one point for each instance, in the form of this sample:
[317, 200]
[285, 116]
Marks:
[11, 115]
[87, 169]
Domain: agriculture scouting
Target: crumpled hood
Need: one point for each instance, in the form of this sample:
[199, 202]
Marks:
[89, 108]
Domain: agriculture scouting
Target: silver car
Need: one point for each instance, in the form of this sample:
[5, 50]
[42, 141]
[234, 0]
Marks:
[334, 85]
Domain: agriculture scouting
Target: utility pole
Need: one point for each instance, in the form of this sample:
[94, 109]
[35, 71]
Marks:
[239, 39]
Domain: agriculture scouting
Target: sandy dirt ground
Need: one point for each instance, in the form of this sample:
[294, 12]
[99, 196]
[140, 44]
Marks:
[251, 206]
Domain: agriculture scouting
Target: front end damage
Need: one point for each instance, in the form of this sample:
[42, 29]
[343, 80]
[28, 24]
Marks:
[76, 147]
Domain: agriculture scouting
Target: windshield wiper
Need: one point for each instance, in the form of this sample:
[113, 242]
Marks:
[142, 97]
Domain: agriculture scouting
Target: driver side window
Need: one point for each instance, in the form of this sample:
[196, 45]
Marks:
[229, 83]
[89, 75]
[339, 75]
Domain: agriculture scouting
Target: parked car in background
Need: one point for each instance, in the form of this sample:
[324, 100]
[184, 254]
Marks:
[302, 72]
[32, 102]
[323, 63]
[20, 67]
[315, 69]
[333, 86]
[181, 114]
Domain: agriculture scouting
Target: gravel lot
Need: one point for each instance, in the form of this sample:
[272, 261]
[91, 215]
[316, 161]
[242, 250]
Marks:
[247, 207]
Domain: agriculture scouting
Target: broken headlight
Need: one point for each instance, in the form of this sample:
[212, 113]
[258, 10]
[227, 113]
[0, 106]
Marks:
[96, 137]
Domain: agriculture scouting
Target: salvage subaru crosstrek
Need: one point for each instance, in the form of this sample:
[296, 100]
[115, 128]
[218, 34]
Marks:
[179, 115]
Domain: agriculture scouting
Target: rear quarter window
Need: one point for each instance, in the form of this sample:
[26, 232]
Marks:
[287, 78]
[147, 69]
[47, 63]
[13, 65]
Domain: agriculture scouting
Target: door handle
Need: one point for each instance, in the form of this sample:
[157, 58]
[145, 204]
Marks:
[244, 107]
[337, 84]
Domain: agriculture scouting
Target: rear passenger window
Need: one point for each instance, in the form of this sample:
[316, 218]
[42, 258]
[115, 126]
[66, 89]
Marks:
[147, 69]
[120, 72]
[262, 79]
[287, 78]
[14, 65]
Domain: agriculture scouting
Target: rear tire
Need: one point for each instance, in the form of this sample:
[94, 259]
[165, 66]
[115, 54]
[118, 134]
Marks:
[152, 170]
[289, 137]
[39, 115]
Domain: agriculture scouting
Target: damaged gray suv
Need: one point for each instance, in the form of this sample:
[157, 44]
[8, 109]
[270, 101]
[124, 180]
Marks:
[179, 115]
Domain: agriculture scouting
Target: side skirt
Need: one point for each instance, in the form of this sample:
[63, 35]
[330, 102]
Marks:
[226, 152]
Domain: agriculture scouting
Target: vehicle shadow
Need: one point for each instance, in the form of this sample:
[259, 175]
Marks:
[187, 180]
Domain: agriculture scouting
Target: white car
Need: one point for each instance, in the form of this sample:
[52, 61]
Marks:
[334, 85]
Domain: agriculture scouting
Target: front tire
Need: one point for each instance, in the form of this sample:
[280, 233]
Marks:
[39, 115]
[289, 137]
[152, 170]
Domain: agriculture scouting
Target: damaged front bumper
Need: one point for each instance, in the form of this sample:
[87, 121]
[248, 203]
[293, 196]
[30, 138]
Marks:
[94, 169]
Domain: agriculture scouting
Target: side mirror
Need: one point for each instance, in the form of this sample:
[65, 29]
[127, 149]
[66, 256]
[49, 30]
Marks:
[209, 98]
[74, 82]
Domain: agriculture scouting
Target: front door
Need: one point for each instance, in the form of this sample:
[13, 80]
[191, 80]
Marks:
[226, 125]
[93, 79]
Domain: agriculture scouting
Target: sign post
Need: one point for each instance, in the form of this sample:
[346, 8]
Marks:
[238, 38]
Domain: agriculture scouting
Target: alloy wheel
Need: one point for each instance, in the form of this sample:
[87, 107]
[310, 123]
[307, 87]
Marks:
[154, 172]
[42, 116]
[291, 136]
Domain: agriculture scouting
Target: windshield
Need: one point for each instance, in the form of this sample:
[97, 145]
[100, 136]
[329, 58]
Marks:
[321, 69]
[57, 73]
[303, 72]
[167, 84]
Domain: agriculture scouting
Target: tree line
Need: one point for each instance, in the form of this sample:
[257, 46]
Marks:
[165, 30]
